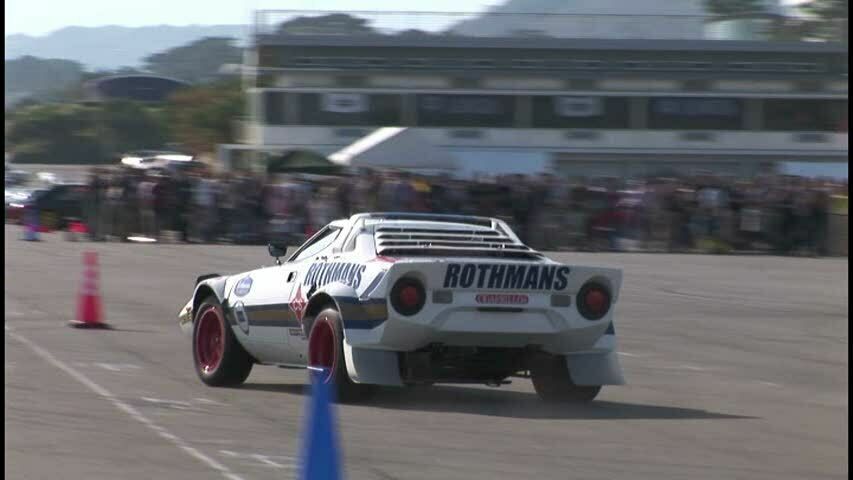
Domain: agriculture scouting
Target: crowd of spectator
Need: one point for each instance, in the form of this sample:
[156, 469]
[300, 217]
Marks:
[783, 214]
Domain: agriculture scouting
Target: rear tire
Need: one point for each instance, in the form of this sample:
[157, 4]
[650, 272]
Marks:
[553, 382]
[219, 359]
[326, 350]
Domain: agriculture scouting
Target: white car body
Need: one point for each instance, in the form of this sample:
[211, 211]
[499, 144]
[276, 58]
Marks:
[484, 289]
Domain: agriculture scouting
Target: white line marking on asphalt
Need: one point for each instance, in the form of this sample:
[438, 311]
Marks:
[209, 401]
[769, 384]
[132, 412]
[626, 354]
[685, 366]
[267, 460]
[171, 403]
[118, 367]
[693, 367]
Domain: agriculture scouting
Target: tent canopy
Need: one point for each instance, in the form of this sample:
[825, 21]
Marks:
[394, 147]
[303, 161]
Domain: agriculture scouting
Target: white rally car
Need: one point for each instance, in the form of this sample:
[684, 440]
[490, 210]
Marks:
[403, 299]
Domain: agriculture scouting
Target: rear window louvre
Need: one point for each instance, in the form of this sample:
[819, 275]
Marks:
[452, 237]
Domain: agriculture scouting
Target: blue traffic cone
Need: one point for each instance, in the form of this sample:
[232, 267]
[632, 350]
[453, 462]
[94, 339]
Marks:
[320, 450]
[31, 232]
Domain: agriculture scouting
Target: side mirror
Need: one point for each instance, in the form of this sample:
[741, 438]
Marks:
[277, 251]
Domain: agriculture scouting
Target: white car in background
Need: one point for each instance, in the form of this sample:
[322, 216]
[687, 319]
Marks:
[400, 299]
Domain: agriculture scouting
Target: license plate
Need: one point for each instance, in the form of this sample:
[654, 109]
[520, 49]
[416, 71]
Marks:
[501, 299]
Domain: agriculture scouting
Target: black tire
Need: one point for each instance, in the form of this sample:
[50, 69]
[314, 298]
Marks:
[553, 382]
[235, 363]
[346, 391]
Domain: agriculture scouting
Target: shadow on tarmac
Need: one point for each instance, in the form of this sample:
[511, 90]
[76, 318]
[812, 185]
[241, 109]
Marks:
[510, 404]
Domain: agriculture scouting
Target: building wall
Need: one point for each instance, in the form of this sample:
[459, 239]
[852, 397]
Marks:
[584, 105]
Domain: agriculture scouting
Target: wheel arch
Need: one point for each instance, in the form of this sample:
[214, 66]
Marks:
[329, 295]
[316, 304]
[212, 286]
[215, 286]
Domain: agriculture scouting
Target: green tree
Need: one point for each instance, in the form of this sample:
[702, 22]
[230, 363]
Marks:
[197, 62]
[203, 116]
[75, 133]
[734, 8]
[39, 78]
[55, 133]
[332, 24]
[125, 125]
[828, 19]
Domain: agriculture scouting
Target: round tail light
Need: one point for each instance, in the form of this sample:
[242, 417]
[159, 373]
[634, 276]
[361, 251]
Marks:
[593, 301]
[408, 296]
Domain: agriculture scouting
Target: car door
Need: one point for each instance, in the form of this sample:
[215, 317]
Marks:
[268, 303]
[317, 250]
[258, 302]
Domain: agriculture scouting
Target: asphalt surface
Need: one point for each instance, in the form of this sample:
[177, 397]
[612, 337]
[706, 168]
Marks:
[737, 368]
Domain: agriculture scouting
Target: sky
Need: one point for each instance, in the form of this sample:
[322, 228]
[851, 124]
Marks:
[28, 16]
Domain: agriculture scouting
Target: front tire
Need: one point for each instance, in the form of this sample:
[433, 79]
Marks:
[326, 351]
[553, 382]
[220, 360]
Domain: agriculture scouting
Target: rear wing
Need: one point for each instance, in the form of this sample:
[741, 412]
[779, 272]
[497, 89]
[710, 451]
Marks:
[432, 217]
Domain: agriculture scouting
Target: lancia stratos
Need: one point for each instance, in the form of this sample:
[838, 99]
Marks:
[399, 299]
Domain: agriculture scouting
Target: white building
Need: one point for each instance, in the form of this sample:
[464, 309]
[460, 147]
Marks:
[574, 106]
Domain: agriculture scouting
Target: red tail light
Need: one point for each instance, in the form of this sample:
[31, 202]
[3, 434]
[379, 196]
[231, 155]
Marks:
[408, 296]
[593, 301]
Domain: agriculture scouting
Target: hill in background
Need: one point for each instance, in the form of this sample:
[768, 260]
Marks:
[113, 47]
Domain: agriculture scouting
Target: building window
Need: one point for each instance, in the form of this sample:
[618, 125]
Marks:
[466, 110]
[274, 108]
[580, 112]
[805, 115]
[695, 113]
[349, 109]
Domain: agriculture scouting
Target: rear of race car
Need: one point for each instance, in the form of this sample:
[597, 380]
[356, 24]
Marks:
[481, 320]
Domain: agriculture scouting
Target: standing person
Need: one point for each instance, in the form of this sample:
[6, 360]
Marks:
[95, 199]
[131, 208]
[164, 203]
[224, 208]
[344, 197]
[183, 201]
[521, 196]
[403, 196]
[820, 220]
[114, 226]
[323, 208]
[146, 198]
[204, 198]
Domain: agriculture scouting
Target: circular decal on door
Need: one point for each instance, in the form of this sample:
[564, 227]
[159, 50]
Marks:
[242, 318]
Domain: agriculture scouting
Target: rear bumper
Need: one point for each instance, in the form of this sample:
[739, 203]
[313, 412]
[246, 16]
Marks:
[594, 367]
[557, 331]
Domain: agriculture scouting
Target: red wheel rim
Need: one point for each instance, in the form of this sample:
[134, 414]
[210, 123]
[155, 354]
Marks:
[321, 348]
[210, 341]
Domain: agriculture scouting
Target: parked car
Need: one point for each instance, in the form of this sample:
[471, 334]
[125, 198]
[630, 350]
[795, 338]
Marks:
[55, 205]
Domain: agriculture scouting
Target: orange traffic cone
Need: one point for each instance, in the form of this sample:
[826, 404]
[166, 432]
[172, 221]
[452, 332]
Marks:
[89, 301]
